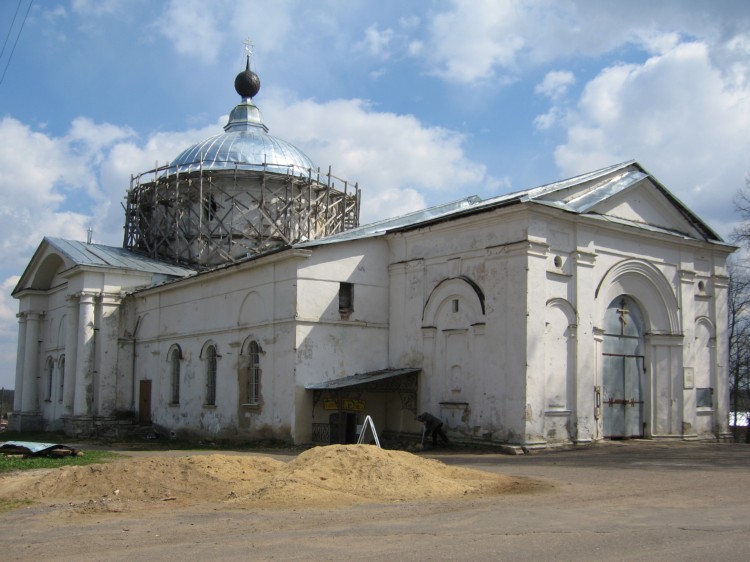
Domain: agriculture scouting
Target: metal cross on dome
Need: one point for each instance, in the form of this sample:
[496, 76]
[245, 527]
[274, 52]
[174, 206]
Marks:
[248, 47]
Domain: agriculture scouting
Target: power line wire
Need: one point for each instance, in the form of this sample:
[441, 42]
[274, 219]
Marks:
[10, 29]
[13, 50]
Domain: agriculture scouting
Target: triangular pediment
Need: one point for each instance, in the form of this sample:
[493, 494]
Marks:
[645, 204]
[628, 194]
[55, 259]
[45, 269]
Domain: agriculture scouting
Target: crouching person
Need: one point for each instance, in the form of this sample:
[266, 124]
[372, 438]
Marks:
[433, 426]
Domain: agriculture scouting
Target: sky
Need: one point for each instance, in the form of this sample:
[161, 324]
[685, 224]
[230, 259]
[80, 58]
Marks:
[419, 102]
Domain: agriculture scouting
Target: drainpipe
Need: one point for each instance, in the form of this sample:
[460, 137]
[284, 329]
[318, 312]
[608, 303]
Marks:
[132, 368]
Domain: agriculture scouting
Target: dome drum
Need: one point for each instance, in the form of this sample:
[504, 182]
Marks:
[205, 218]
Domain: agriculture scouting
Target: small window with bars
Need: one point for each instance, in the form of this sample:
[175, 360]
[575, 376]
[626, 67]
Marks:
[253, 374]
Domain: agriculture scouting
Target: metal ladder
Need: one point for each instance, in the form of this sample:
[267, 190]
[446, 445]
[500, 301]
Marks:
[368, 421]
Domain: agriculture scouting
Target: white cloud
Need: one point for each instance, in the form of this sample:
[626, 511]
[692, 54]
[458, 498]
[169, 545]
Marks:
[679, 116]
[414, 48]
[48, 183]
[473, 38]
[478, 40]
[376, 42]
[59, 186]
[390, 203]
[98, 7]
[548, 120]
[386, 153]
[555, 84]
[8, 332]
[202, 29]
[8, 306]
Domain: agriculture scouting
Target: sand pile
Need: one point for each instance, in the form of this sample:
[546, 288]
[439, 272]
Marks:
[330, 476]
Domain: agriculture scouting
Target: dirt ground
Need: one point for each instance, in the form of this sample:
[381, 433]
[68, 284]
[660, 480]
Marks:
[636, 500]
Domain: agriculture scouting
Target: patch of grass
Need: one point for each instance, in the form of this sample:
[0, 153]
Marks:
[7, 505]
[10, 463]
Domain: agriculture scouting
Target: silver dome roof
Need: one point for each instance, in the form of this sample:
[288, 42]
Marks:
[245, 145]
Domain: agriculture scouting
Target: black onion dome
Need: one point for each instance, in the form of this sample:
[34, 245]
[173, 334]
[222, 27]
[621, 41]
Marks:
[247, 82]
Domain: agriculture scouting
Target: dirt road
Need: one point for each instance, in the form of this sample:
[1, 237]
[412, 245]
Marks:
[638, 500]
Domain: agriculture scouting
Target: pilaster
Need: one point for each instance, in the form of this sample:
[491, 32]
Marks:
[85, 355]
[71, 352]
[586, 348]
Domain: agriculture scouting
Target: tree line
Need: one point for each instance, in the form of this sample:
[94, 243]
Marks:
[739, 320]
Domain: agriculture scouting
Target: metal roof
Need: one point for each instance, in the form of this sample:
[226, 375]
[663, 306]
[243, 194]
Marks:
[387, 225]
[576, 195]
[360, 378]
[98, 255]
[245, 145]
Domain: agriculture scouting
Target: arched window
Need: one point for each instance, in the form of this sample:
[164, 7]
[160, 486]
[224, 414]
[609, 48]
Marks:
[50, 371]
[253, 374]
[174, 363]
[61, 371]
[211, 375]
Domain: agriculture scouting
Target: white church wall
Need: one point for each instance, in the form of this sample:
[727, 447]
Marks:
[670, 408]
[223, 310]
[473, 373]
[570, 263]
[63, 385]
[331, 343]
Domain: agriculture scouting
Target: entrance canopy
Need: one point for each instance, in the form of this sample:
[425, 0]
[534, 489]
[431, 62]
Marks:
[361, 378]
[401, 381]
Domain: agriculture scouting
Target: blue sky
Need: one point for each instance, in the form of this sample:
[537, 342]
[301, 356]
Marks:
[420, 102]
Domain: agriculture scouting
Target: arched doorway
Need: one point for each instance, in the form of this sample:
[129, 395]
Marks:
[623, 370]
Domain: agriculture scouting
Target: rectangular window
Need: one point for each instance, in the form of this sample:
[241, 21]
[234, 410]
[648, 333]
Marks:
[176, 376]
[211, 376]
[61, 369]
[704, 397]
[50, 378]
[346, 297]
[253, 375]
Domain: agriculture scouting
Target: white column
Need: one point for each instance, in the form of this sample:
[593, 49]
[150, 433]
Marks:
[20, 356]
[85, 353]
[71, 352]
[31, 375]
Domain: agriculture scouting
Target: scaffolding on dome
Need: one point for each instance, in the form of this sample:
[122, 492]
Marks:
[201, 218]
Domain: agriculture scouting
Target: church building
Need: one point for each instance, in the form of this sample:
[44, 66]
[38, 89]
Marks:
[247, 302]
